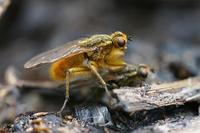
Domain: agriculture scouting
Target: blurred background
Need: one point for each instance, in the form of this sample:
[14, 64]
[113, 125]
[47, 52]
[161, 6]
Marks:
[163, 32]
[165, 35]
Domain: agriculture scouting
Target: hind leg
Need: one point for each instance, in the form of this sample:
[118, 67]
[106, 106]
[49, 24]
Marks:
[70, 73]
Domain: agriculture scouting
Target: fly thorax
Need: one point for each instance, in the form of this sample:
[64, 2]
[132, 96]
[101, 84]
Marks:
[99, 53]
[94, 55]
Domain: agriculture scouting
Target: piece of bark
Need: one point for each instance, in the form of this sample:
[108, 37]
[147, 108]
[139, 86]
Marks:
[175, 125]
[157, 95]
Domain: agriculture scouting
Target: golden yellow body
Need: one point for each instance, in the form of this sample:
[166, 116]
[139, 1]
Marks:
[112, 61]
[84, 56]
[58, 69]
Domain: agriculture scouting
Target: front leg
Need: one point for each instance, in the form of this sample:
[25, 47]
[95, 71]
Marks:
[92, 65]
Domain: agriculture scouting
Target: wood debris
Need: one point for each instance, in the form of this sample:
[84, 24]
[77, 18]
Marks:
[158, 95]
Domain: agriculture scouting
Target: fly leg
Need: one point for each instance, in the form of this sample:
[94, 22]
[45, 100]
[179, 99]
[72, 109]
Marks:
[92, 66]
[67, 80]
[70, 73]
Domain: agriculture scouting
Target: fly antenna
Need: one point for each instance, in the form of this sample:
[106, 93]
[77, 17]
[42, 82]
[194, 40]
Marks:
[130, 37]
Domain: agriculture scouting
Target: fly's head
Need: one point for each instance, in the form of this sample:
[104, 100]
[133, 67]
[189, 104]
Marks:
[116, 56]
[119, 40]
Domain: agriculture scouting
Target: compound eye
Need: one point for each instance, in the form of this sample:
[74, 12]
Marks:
[121, 42]
[143, 72]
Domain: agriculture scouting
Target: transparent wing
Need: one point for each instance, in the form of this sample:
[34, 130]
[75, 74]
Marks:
[69, 49]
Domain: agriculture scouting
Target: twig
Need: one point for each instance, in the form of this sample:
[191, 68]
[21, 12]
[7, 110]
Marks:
[3, 6]
[174, 86]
